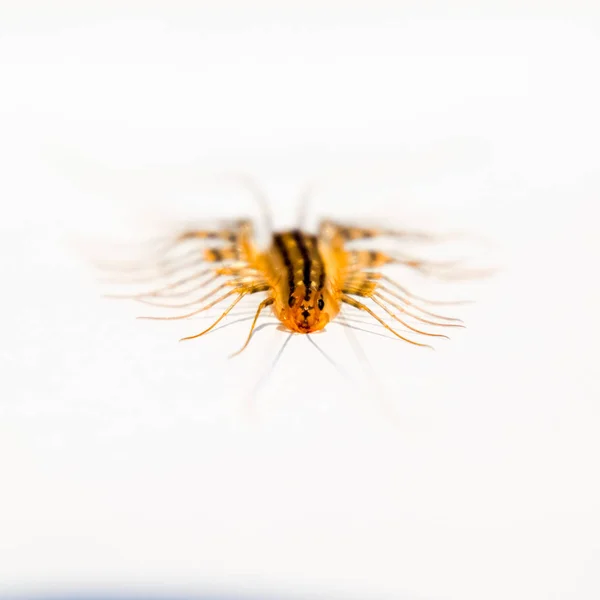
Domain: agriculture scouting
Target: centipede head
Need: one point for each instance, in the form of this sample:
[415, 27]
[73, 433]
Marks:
[305, 311]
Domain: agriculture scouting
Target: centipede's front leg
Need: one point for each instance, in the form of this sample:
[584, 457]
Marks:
[347, 299]
[241, 291]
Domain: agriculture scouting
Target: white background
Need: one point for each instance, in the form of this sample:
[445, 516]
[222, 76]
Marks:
[128, 462]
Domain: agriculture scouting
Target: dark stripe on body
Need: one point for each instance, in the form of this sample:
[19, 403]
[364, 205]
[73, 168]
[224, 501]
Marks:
[278, 239]
[322, 278]
[306, 261]
[318, 262]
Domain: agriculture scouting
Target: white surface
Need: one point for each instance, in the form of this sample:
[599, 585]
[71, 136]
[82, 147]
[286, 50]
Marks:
[126, 458]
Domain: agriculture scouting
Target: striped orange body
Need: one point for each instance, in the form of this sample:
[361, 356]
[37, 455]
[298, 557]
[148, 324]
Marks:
[302, 274]
[306, 277]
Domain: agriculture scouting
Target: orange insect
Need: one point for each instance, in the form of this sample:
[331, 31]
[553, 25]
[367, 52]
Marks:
[306, 278]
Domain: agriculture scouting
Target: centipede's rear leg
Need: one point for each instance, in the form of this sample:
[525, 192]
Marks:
[226, 259]
[234, 235]
[369, 259]
[338, 235]
[349, 233]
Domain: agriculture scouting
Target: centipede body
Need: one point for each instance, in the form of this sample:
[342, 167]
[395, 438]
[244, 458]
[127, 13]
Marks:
[306, 278]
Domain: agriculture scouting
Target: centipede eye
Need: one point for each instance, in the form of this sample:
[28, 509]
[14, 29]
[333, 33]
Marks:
[321, 303]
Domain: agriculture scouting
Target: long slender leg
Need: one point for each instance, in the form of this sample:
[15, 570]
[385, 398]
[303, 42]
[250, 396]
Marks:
[240, 289]
[208, 255]
[359, 284]
[159, 291]
[348, 233]
[225, 313]
[366, 283]
[408, 303]
[133, 266]
[206, 307]
[158, 274]
[395, 316]
[219, 273]
[393, 282]
[227, 234]
[356, 304]
[232, 282]
[181, 293]
[266, 302]
[402, 309]
[359, 260]
[191, 303]
[158, 258]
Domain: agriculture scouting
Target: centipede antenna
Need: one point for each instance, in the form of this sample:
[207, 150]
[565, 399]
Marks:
[357, 348]
[250, 399]
[328, 358]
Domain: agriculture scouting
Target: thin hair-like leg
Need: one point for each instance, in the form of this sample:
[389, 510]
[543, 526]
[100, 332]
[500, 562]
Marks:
[443, 270]
[185, 304]
[220, 299]
[159, 273]
[349, 232]
[154, 264]
[266, 302]
[408, 303]
[231, 271]
[402, 309]
[185, 292]
[172, 286]
[393, 282]
[394, 316]
[223, 315]
[356, 304]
